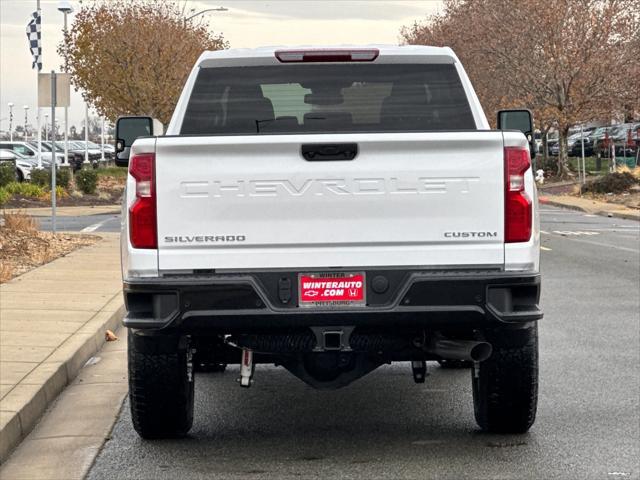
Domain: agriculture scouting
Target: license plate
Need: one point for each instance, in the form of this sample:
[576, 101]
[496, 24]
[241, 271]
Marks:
[331, 289]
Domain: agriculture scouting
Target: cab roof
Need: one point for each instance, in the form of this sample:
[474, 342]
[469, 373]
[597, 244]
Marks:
[385, 54]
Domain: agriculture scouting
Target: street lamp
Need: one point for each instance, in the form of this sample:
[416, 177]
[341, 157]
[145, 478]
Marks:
[65, 8]
[26, 109]
[86, 133]
[218, 9]
[102, 139]
[10, 121]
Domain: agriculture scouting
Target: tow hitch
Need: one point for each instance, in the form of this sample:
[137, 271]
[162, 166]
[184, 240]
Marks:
[419, 370]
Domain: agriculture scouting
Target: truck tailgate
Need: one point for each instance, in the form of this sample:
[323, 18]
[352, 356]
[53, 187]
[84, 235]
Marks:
[254, 202]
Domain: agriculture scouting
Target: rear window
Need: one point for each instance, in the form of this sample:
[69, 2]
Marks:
[329, 98]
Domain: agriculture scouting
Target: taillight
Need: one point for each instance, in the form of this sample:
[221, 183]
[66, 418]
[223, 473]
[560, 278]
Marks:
[324, 55]
[517, 204]
[142, 214]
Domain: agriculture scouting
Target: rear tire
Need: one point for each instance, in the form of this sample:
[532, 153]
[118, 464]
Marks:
[19, 176]
[160, 385]
[505, 386]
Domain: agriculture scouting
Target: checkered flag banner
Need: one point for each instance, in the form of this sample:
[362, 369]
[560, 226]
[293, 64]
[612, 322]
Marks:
[35, 39]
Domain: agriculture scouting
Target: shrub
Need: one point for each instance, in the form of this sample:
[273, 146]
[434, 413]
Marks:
[633, 171]
[42, 177]
[60, 193]
[617, 182]
[118, 172]
[20, 221]
[87, 181]
[4, 196]
[25, 189]
[63, 177]
[7, 173]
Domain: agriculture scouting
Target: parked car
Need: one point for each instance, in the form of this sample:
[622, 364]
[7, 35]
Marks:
[108, 149]
[94, 155]
[95, 150]
[23, 164]
[327, 241]
[625, 140]
[27, 149]
[537, 136]
[73, 158]
[575, 145]
[553, 148]
[604, 137]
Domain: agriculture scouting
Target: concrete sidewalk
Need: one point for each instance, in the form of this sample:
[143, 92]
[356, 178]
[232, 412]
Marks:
[67, 211]
[70, 435]
[591, 206]
[52, 320]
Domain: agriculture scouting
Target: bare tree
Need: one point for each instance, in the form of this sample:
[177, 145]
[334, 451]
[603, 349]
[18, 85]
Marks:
[569, 60]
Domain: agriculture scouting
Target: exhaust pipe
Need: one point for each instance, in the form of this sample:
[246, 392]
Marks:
[459, 349]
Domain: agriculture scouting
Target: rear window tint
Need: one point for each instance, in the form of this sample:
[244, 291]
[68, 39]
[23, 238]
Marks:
[329, 98]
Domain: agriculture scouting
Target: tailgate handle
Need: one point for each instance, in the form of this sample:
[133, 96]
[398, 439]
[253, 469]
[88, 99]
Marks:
[329, 152]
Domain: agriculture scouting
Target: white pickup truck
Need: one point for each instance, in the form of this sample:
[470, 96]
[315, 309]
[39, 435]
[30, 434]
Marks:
[330, 210]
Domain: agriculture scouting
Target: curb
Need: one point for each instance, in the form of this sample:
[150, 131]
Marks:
[546, 201]
[602, 213]
[73, 355]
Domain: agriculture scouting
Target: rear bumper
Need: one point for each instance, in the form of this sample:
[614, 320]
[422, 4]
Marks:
[268, 301]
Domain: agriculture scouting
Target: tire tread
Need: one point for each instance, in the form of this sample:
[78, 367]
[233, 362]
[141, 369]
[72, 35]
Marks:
[160, 393]
[505, 392]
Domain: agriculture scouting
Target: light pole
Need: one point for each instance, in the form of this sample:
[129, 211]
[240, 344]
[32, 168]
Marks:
[26, 109]
[102, 140]
[218, 9]
[10, 121]
[46, 127]
[65, 8]
[86, 133]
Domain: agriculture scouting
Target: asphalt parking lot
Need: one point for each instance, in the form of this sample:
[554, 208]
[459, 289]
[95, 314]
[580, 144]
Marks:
[385, 426]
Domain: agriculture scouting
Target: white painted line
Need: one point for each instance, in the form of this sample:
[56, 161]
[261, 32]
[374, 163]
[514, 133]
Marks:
[598, 244]
[542, 231]
[573, 232]
[619, 229]
[95, 226]
[589, 215]
[561, 212]
[546, 249]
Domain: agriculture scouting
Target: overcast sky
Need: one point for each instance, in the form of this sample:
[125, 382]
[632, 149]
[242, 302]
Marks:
[245, 24]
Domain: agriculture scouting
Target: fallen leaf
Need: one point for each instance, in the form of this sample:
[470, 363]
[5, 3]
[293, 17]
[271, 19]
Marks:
[109, 336]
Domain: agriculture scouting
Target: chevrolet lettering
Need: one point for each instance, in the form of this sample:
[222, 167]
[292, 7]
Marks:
[326, 186]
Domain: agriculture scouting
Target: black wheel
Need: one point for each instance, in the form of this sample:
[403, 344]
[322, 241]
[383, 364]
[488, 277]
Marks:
[160, 385]
[505, 386]
[455, 364]
[19, 176]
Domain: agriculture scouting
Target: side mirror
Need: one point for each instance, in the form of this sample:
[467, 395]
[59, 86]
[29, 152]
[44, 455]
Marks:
[521, 120]
[128, 129]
